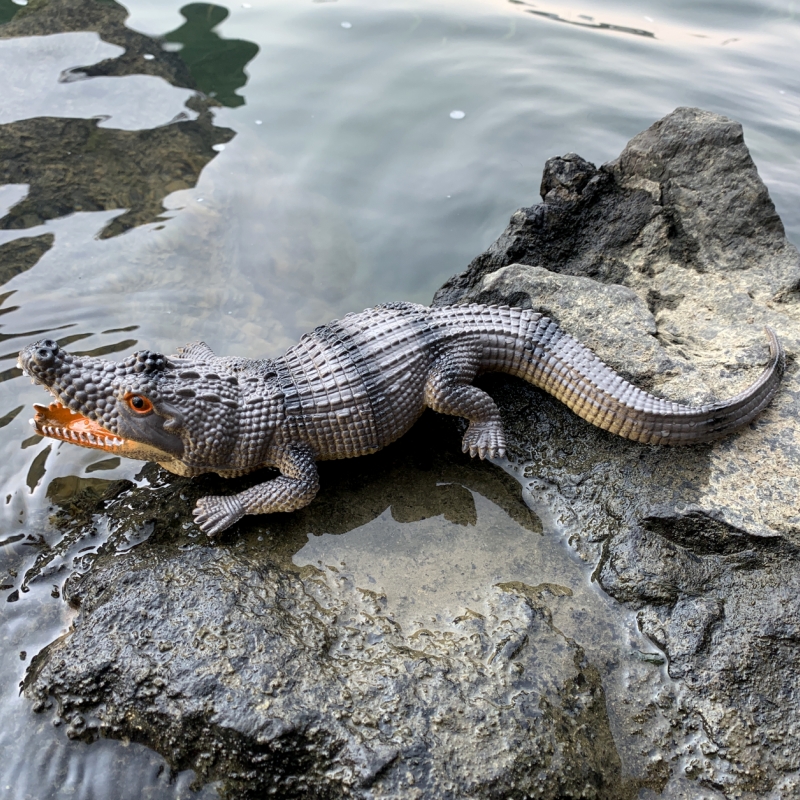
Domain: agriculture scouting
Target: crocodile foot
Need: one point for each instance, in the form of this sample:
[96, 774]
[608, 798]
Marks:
[484, 439]
[214, 514]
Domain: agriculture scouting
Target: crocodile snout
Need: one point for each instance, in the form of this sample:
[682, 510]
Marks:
[42, 360]
[44, 353]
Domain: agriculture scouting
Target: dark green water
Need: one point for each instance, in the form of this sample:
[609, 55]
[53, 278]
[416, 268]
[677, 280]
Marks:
[242, 173]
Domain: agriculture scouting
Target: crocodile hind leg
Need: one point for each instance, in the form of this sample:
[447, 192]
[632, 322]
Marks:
[296, 487]
[448, 390]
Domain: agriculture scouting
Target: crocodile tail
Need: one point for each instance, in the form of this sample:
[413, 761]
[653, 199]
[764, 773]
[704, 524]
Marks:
[573, 374]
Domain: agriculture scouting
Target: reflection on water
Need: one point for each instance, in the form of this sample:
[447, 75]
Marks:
[8, 8]
[74, 165]
[141, 55]
[584, 21]
[144, 203]
[21, 254]
[217, 64]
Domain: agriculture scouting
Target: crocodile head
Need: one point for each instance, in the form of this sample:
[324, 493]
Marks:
[181, 411]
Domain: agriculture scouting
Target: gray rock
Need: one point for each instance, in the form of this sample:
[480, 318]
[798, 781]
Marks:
[272, 680]
[667, 262]
[277, 681]
[299, 682]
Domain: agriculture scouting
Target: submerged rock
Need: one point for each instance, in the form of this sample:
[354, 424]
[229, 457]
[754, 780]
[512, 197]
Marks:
[301, 682]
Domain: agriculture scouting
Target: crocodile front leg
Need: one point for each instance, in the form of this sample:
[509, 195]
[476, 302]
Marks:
[296, 487]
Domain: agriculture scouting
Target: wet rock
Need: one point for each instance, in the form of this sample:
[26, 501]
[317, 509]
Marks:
[266, 677]
[271, 679]
[667, 262]
[302, 685]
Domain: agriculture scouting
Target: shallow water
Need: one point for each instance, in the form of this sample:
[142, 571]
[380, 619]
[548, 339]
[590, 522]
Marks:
[330, 173]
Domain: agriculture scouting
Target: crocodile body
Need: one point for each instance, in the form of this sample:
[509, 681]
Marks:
[348, 389]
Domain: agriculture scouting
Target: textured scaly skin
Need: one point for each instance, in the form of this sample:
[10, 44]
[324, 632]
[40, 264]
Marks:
[353, 386]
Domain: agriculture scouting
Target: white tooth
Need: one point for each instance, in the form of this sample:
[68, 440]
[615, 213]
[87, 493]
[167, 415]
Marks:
[91, 438]
[73, 436]
[117, 442]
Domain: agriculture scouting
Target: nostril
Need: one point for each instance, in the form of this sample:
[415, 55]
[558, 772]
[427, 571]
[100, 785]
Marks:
[51, 344]
[44, 354]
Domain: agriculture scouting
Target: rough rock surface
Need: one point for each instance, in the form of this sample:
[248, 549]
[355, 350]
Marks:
[302, 683]
[667, 262]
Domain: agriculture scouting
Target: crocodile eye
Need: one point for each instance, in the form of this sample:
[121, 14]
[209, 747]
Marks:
[139, 404]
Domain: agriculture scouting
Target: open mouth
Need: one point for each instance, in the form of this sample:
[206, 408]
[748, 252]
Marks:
[58, 422]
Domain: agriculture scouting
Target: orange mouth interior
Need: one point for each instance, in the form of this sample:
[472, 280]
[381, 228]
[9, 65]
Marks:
[58, 422]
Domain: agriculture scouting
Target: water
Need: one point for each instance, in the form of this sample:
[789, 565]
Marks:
[351, 154]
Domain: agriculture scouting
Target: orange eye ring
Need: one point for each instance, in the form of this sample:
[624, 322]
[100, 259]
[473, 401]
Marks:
[138, 403]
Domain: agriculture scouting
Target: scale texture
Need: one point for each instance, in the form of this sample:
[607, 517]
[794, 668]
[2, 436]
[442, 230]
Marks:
[348, 389]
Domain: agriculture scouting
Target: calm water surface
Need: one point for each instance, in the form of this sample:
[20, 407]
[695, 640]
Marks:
[243, 172]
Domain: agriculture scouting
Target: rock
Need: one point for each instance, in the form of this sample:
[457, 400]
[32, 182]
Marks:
[267, 677]
[301, 685]
[667, 262]
[272, 680]
[683, 195]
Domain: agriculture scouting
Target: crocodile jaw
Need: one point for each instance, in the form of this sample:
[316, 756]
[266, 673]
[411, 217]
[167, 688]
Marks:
[58, 422]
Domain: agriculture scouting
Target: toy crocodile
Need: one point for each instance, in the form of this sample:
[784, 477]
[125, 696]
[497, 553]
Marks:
[347, 389]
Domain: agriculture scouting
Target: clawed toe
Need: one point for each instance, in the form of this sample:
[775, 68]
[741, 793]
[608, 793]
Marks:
[484, 440]
[214, 514]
